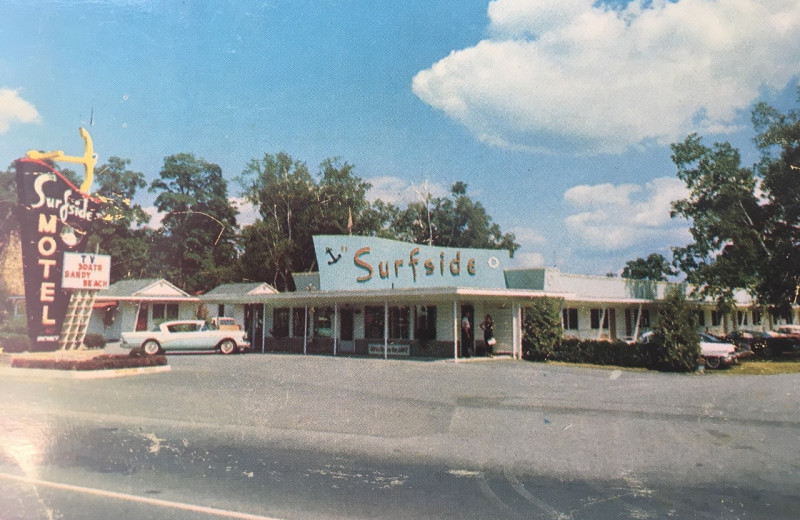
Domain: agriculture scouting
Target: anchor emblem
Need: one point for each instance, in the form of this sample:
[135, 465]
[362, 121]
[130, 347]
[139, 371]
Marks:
[333, 259]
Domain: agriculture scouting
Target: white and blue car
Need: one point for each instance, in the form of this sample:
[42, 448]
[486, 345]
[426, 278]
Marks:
[186, 335]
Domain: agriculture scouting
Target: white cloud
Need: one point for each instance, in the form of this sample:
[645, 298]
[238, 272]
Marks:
[526, 260]
[621, 217]
[15, 109]
[401, 192]
[155, 217]
[248, 213]
[571, 76]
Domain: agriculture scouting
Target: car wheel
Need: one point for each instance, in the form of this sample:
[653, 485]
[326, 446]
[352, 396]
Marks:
[227, 347]
[713, 362]
[767, 351]
[151, 347]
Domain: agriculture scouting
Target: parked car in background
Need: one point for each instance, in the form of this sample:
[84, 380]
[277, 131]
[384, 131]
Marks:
[185, 335]
[763, 343]
[789, 330]
[717, 352]
[225, 323]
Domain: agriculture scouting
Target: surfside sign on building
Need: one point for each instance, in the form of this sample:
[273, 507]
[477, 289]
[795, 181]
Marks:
[350, 262]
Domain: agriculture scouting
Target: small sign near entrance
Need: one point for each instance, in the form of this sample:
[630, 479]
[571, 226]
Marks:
[377, 349]
[86, 271]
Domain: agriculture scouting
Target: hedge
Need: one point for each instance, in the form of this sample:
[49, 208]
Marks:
[594, 352]
[101, 362]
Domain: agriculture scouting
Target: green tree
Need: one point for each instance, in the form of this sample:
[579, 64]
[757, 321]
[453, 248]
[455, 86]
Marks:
[745, 221]
[119, 233]
[454, 221]
[541, 328]
[675, 343]
[778, 140]
[655, 268]
[199, 229]
[294, 206]
[8, 205]
[727, 226]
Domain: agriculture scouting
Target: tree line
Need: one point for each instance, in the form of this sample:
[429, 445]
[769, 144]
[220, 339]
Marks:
[200, 244]
[745, 221]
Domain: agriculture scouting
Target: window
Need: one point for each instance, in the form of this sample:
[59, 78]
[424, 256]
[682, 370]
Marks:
[159, 311]
[701, 318]
[644, 321]
[399, 324]
[373, 322]
[756, 316]
[323, 322]
[280, 322]
[165, 310]
[715, 318]
[221, 309]
[595, 318]
[298, 322]
[741, 317]
[570, 318]
[426, 323]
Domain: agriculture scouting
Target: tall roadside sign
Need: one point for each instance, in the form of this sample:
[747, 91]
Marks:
[55, 219]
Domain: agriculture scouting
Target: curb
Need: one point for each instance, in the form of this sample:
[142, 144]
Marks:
[82, 374]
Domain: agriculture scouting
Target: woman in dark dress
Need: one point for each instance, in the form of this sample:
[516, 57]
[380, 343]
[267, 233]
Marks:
[487, 325]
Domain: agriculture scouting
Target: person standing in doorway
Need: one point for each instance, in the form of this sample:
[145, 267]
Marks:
[487, 326]
[466, 335]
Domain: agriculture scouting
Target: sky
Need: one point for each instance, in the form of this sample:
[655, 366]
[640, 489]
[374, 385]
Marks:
[557, 114]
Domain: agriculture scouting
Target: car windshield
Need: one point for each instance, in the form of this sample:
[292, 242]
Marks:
[708, 338]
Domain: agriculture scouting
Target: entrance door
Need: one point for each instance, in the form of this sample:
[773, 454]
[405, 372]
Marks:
[141, 317]
[254, 325]
[346, 342]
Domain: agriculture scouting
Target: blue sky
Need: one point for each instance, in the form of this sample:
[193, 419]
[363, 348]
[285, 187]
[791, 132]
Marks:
[558, 114]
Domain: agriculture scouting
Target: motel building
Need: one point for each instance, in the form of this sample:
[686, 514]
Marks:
[378, 297]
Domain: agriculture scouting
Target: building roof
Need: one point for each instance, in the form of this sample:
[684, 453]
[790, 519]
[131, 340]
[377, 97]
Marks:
[239, 289]
[144, 289]
[306, 281]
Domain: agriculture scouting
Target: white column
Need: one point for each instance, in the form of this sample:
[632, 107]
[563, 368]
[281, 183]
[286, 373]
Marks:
[602, 319]
[456, 330]
[335, 331]
[638, 321]
[516, 331]
[385, 330]
[263, 326]
[305, 333]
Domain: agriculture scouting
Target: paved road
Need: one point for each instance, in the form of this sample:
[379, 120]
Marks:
[290, 437]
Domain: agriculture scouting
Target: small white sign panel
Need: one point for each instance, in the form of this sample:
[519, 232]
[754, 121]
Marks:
[86, 271]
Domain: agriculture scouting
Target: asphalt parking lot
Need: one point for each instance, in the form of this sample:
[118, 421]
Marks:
[530, 440]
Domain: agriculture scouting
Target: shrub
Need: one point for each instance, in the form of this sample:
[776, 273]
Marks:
[541, 329]
[94, 341]
[12, 342]
[102, 362]
[595, 352]
[675, 345]
[18, 325]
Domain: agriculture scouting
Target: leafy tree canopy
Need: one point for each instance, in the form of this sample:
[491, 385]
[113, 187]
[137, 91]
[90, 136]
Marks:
[745, 221]
[655, 267]
[199, 228]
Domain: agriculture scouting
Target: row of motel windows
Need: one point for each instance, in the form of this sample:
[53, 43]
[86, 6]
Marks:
[569, 317]
[320, 321]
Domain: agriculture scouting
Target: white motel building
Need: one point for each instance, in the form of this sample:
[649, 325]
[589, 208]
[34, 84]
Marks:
[381, 297]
